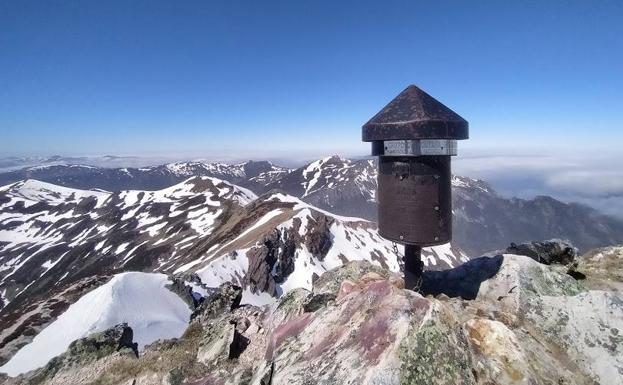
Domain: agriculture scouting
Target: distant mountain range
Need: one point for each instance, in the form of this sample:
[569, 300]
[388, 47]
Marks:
[483, 220]
[11, 163]
[249, 174]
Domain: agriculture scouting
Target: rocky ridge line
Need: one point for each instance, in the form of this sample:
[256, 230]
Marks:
[528, 323]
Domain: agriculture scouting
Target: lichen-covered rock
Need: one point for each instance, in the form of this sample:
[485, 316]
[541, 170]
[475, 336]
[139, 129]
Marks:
[103, 343]
[85, 352]
[225, 299]
[290, 305]
[331, 281]
[356, 340]
[526, 323]
[433, 351]
[497, 352]
[232, 347]
[542, 327]
[587, 328]
[317, 301]
[503, 335]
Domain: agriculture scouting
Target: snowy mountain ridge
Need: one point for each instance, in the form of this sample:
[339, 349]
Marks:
[483, 220]
[33, 191]
[39, 219]
[250, 174]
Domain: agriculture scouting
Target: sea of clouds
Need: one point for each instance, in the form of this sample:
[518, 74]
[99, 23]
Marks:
[594, 178]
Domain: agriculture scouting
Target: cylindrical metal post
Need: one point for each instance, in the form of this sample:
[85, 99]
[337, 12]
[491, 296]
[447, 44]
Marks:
[414, 267]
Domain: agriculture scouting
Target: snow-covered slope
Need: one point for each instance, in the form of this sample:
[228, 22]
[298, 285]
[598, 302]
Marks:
[139, 299]
[291, 243]
[34, 191]
[51, 233]
[346, 186]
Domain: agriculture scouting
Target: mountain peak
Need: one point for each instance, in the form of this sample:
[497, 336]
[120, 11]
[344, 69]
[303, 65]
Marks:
[335, 158]
[211, 186]
[470, 183]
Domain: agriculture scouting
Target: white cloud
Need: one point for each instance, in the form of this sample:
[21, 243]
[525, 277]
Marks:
[591, 177]
[590, 183]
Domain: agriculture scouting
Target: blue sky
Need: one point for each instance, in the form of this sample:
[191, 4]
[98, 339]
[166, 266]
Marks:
[286, 78]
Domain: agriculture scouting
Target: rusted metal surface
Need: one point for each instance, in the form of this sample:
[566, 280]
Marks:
[415, 205]
[414, 114]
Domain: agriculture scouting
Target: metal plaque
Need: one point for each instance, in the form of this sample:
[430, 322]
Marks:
[419, 147]
[414, 200]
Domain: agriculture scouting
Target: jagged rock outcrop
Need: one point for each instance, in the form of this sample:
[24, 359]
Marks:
[226, 299]
[271, 261]
[548, 252]
[185, 292]
[318, 235]
[528, 323]
[103, 343]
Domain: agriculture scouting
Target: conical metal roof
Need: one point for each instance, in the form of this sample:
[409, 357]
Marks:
[414, 114]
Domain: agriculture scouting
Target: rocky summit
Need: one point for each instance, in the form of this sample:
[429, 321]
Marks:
[525, 323]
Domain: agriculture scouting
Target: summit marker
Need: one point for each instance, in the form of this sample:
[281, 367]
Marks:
[414, 137]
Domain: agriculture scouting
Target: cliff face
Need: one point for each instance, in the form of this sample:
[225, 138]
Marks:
[528, 323]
